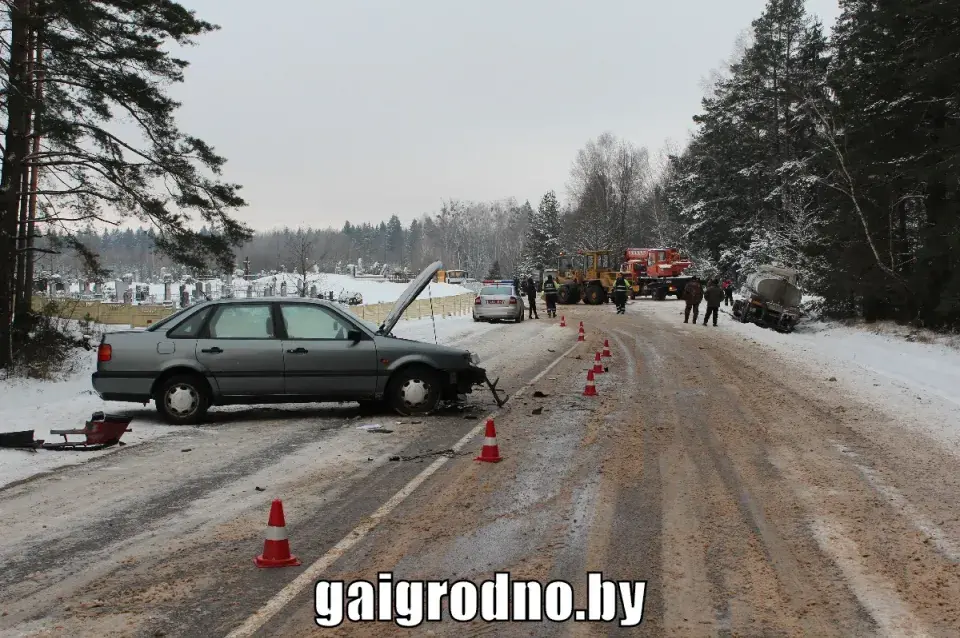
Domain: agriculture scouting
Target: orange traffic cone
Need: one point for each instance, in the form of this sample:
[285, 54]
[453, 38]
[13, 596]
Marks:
[491, 451]
[580, 334]
[276, 547]
[591, 389]
[597, 366]
[563, 321]
[581, 326]
[606, 348]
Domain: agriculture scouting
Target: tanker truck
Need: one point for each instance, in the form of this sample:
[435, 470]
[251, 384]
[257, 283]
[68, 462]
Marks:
[771, 299]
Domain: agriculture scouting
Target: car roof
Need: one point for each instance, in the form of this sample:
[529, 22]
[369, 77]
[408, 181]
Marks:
[273, 299]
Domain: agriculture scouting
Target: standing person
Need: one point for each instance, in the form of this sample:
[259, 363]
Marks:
[532, 297]
[620, 294]
[693, 295]
[550, 295]
[727, 293]
[714, 296]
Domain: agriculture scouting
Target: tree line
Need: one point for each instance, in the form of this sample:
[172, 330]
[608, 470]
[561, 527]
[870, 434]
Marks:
[833, 151]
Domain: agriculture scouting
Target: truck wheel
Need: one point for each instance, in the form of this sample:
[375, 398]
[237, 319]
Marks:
[660, 294]
[414, 391]
[595, 295]
[183, 399]
[568, 294]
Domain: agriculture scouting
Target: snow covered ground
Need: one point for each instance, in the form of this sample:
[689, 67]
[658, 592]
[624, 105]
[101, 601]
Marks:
[373, 290]
[58, 405]
[918, 381]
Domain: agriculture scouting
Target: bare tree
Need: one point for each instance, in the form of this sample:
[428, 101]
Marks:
[608, 178]
[302, 251]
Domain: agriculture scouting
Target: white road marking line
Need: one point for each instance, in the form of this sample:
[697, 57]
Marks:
[877, 594]
[313, 572]
[947, 546]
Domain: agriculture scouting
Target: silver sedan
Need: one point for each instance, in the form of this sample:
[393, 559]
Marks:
[496, 301]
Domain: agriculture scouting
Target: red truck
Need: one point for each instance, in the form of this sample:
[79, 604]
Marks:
[657, 272]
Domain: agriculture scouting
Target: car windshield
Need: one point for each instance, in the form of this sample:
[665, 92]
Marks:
[496, 290]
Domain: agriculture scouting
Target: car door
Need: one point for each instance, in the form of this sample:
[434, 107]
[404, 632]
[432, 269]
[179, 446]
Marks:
[320, 358]
[240, 349]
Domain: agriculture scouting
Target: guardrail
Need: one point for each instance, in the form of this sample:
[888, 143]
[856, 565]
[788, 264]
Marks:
[141, 316]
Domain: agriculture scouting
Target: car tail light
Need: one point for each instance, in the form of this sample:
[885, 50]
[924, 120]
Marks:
[476, 301]
[513, 301]
[104, 352]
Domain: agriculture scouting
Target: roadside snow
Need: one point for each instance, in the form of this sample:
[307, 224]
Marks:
[917, 382]
[30, 404]
[373, 291]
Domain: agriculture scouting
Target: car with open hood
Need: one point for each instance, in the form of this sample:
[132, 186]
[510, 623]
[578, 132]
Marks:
[280, 350]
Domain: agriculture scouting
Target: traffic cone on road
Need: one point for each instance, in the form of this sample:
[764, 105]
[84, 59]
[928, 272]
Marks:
[581, 326]
[597, 365]
[591, 389]
[491, 451]
[580, 334]
[276, 547]
[606, 348]
[563, 321]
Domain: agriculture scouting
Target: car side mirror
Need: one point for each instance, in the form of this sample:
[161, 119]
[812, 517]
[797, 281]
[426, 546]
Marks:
[354, 335]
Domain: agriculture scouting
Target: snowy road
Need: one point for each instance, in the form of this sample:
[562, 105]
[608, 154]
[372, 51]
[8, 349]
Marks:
[756, 496]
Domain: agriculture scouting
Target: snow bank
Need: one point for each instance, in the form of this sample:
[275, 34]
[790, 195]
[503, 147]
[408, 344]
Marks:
[918, 381]
[30, 404]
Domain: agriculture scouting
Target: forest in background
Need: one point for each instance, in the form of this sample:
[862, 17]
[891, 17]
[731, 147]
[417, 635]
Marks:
[833, 151]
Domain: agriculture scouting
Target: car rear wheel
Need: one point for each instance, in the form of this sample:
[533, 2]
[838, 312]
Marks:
[183, 399]
[415, 391]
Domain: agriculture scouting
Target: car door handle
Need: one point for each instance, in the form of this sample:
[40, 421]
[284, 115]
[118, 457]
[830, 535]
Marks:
[297, 351]
[213, 350]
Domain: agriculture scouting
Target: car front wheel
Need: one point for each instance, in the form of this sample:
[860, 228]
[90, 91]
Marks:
[183, 400]
[415, 391]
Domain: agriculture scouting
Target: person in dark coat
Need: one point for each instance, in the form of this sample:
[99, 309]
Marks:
[550, 296]
[693, 295]
[727, 292]
[531, 287]
[620, 294]
[714, 296]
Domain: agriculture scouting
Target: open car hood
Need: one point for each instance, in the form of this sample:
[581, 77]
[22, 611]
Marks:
[409, 295]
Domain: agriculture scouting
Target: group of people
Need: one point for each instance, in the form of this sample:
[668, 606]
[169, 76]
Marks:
[549, 295]
[693, 293]
[715, 294]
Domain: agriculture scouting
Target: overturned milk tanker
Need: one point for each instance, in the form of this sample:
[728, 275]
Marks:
[772, 299]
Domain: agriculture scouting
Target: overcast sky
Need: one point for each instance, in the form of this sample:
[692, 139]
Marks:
[359, 109]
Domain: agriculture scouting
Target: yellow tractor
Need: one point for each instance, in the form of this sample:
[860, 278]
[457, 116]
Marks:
[588, 275]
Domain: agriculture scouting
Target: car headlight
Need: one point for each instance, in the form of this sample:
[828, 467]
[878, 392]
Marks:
[474, 359]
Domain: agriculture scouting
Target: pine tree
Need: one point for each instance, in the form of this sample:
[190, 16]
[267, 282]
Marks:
[745, 180]
[548, 217]
[494, 270]
[891, 134]
[101, 58]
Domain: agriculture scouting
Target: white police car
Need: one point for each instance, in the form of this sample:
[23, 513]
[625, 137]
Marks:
[498, 300]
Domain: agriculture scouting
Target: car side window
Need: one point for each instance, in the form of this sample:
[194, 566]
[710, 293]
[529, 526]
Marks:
[242, 321]
[307, 321]
[190, 328]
